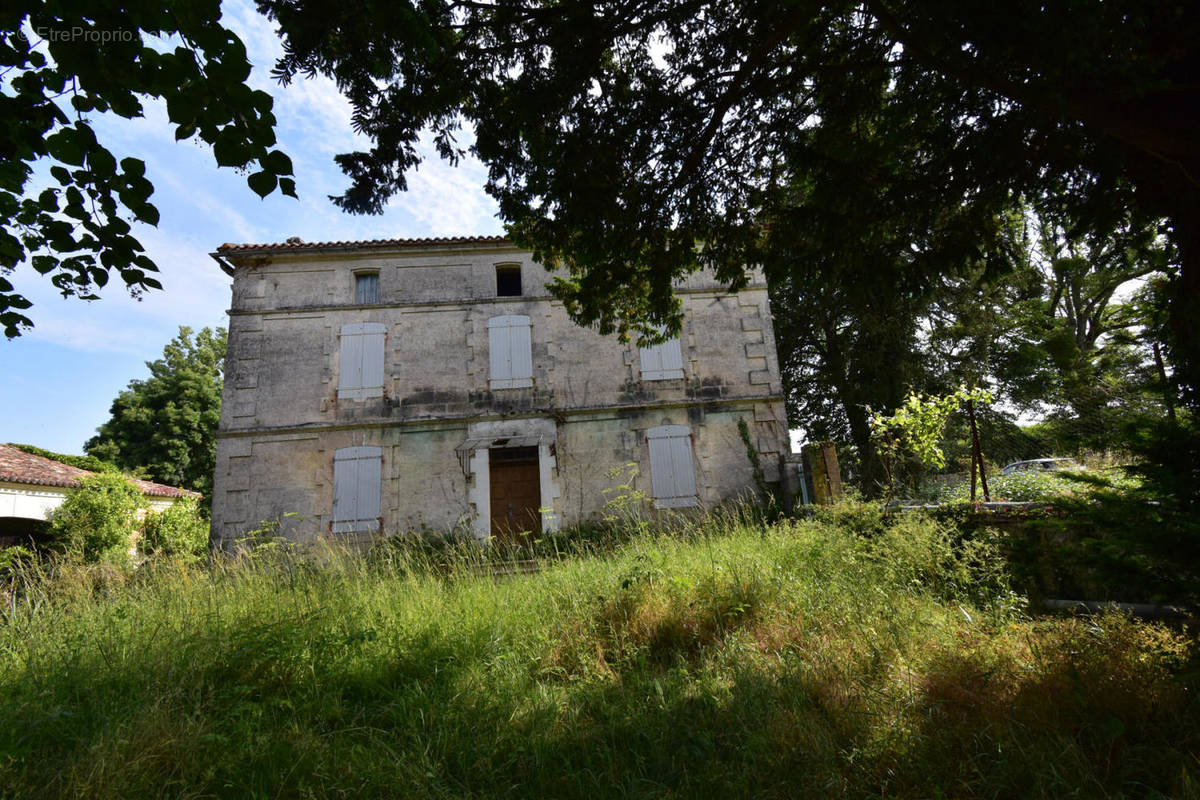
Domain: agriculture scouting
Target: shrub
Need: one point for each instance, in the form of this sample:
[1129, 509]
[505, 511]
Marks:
[179, 530]
[1032, 486]
[98, 521]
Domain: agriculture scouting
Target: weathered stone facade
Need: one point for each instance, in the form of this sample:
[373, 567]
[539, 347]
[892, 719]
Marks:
[471, 381]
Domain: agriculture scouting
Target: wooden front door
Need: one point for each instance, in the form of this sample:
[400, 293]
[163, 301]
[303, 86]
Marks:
[516, 492]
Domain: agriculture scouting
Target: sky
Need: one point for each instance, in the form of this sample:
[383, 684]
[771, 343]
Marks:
[60, 379]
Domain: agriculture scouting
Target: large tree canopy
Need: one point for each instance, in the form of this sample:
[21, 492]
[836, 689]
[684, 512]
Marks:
[166, 424]
[634, 142]
[65, 201]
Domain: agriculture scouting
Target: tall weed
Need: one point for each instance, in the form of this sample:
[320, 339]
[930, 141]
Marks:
[874, 657]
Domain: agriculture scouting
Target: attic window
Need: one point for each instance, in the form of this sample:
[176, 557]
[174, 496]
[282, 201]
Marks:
[366, 288]
[508, 280]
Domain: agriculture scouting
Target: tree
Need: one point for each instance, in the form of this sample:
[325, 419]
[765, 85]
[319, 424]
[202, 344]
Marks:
[1073, 331]
[1094, 340]
[166, 424]
[632, 143]
[65, 201]
[859, 245]
[917, 428]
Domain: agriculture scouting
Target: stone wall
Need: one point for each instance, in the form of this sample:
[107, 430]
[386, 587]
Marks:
[282, 418]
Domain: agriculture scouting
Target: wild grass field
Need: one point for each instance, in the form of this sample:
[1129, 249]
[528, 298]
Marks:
[850, 655]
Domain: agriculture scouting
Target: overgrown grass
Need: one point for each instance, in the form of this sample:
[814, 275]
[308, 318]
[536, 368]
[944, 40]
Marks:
[1034, 485]
[847, 655]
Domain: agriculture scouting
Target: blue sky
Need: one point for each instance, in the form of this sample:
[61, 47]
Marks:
[60, 378]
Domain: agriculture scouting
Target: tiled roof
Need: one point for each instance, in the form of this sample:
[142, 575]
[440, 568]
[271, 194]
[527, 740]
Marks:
[296, 244]
[17, 466]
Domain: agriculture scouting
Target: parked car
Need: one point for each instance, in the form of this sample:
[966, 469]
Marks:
[1040, 464]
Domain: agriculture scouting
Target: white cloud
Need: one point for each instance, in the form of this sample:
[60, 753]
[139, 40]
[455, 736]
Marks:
[311, 109]
[444, 200]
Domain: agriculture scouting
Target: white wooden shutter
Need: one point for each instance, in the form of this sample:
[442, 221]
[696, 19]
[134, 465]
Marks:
[357, 486]
[662, 474]
[372, 359]
[510, 353]
[350, 362]
[671, 352]
[345, 493]
[683, 468]
[360, 371]
[672, 470]
[662, 361]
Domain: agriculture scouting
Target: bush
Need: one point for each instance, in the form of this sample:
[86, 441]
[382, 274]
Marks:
[98, 521]
[1032, 485]
[180, 531]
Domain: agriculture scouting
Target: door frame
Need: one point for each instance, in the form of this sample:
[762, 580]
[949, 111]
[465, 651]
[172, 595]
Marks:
[479, 488]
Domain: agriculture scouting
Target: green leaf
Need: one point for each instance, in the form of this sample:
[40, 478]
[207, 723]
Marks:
[147, 213]
[278, 162]
[133, 166]
[263, 183]
[45, 264]
[102, 162]
[229, 149]
[288, 186]
[64, 146]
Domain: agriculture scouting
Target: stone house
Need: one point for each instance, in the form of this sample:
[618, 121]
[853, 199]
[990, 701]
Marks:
[379, 387]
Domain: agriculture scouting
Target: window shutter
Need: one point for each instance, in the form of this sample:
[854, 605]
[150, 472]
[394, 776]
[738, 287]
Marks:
[500, 352]
[357, 488]
[662, 472]
[510, 352]
[360, 371]
[671, 353]
[651, 362]
[350, 370]
[345, 498]
[662, 361]
[370, 479]
[372, 359]
[681, 466]
[672, 470]
[520, 352]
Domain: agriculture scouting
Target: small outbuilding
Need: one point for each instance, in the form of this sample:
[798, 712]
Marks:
[32, 486]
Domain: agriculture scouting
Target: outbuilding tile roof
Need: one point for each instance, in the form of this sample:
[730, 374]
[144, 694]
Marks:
[17, 466]
[296, 244]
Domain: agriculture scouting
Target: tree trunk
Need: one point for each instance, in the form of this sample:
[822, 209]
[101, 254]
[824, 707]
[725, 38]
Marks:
[1184, 312]
[873, 478]
[1168, 391]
